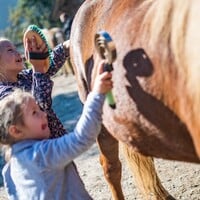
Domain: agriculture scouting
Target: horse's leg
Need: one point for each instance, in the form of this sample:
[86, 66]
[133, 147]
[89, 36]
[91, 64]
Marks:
[145, 175]
[109, 159]
[67, 68]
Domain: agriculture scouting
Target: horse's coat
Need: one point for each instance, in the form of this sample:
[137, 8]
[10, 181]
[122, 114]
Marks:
[156, 74]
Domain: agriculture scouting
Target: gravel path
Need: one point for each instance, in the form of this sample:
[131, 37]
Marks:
[182, 180]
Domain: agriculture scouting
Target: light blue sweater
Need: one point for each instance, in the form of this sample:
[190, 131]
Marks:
[44, 170]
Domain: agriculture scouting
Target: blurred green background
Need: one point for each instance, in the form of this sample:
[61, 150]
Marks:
[16, 15]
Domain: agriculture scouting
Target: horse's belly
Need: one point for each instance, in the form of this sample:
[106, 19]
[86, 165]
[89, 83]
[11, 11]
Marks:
[147, 125]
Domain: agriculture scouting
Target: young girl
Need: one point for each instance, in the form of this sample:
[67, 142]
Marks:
[40, 168]
[12, 75]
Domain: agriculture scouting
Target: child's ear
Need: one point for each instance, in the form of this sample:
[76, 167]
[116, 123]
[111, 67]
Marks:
[14, 131]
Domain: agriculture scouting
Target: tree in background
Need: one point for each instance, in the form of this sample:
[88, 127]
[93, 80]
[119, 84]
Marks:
[29, 12]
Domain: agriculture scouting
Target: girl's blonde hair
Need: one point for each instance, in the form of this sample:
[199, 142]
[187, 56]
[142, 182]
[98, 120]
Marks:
[11, 113]
[2, 39]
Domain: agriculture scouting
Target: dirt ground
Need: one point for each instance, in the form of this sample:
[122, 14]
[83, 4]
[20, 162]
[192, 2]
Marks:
[182, 180]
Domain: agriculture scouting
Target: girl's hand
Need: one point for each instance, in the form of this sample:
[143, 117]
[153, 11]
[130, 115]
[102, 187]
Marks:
[32, 46]
[103, 81]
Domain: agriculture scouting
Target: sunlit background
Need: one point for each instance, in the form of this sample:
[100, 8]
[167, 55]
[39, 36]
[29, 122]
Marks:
[6, 5]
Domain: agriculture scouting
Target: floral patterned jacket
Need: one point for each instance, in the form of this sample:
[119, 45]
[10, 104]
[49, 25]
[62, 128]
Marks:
[41, 87]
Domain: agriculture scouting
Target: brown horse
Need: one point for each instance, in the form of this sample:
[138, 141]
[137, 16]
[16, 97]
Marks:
[54, 37]
[155, 83]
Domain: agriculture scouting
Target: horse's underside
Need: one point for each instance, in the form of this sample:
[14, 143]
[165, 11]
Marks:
[156, 74]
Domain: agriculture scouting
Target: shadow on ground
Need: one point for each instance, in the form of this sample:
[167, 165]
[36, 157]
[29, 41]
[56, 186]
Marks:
[68, 109]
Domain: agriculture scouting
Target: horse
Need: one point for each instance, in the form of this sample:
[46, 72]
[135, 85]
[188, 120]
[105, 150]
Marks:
[55, 36]
[155, 84]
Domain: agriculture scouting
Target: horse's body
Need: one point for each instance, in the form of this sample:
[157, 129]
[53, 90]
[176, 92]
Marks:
[155, 82]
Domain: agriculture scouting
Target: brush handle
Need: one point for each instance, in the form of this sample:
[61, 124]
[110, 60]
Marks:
[109, 96]
[110, 99]
[107, 51]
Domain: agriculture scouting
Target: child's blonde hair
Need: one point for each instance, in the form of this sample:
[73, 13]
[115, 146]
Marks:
[2, 39]
[11, 113]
